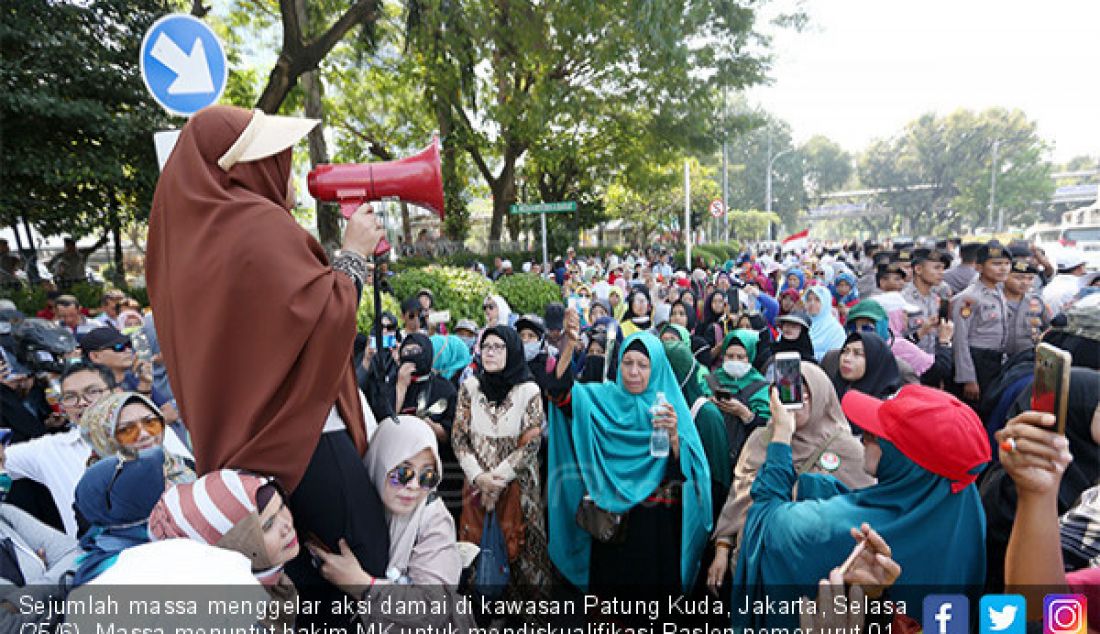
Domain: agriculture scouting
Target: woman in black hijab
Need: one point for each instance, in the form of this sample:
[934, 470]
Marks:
[497, 434]
[790, 341]
[417, 391]
[866, 364]
[999, 491]
[715, 326]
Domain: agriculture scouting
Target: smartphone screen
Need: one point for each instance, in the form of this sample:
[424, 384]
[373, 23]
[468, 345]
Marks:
[788, 379]
[1050, 391]
[945, 308]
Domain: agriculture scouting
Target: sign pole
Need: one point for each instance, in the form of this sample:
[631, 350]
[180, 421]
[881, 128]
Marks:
[542, 221]
[687, 210]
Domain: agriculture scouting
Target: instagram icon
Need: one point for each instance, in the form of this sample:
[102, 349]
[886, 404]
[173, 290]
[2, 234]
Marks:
[1064, 614]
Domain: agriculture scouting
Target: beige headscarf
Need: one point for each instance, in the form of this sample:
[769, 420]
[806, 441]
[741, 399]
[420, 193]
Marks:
[99, 423]
[843, 458]
[392, 444]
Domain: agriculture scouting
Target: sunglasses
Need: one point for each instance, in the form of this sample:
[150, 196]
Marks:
[403, 474]
[120, 347]
[132, 431]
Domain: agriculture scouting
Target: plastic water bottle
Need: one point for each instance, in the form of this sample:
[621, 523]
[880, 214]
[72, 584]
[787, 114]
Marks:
[140, 343]
[659, 441]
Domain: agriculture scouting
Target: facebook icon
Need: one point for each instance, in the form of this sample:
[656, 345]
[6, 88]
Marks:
[946, 614]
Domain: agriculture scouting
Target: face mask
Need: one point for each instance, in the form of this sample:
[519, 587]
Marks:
[469, 341]
[736, 369]
[531, 349]
[5, 485]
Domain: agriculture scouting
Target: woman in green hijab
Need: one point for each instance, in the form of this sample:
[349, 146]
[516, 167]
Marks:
[708, 418]
[748, 409]
[600, 454]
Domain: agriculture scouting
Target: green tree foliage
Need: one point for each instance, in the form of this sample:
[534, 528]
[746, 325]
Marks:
[953, 157]
[526, 293]
[748, 158]
[76, 120]
[826, 167]
[460, 291]
[513, 76]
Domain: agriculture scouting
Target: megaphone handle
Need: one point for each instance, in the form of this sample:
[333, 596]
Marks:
[382, 248]
[348, 207]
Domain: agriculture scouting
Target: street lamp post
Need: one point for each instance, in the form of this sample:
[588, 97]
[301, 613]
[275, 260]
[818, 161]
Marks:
[768, 176]
[993, 186]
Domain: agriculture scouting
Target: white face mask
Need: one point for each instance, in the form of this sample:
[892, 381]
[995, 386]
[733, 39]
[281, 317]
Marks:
[736, 369]
[531, 349]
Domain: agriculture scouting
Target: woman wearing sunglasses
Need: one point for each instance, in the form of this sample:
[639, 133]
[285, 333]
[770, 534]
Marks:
[405, 467]
[125, 423]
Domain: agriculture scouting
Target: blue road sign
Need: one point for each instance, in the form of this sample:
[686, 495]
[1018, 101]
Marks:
[183, 64]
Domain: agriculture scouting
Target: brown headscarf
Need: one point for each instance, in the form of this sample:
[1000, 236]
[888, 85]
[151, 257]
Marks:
[255, 327]
[826, 424]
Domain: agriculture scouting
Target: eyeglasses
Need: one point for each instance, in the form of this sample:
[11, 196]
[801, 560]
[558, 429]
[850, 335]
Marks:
[403, 474]
[495, 348]
[132, 430]
[89, 395]
[120, 347]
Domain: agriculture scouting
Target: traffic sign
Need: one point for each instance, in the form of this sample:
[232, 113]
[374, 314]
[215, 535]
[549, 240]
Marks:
[717, 208]
[183, 64]
[544, 208]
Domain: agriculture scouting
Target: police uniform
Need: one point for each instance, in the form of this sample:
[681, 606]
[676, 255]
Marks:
[980, 317]
[929, 304]
[1027, 317]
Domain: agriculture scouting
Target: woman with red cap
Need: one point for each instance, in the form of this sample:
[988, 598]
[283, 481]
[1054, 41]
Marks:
[925, 447]
[275, 392]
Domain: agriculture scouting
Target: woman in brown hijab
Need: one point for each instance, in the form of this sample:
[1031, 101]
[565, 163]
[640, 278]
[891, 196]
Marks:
[822, 443]
[256, 326]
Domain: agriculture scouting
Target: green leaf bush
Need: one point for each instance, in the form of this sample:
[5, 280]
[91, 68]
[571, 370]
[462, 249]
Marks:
[364, 318]
[526, 293]
[458, 290]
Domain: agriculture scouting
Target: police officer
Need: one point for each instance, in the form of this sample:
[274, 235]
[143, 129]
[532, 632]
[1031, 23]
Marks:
[1027, 315]
[979, 313]
[926, 291]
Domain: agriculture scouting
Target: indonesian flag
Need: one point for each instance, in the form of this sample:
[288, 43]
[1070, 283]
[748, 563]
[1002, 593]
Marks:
[797, 241]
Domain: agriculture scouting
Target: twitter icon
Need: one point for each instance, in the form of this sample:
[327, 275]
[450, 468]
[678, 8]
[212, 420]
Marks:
[1003, 614]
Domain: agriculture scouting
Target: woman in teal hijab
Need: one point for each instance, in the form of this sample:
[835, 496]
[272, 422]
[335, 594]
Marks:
[599, 447]
[931, 516]
[451, 356]
[748, 409]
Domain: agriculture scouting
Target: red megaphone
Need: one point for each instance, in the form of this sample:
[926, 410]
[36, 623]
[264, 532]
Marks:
[416, 179]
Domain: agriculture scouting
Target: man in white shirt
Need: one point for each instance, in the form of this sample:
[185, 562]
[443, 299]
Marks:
[57, 461]
[111, 306]
[1064, 287]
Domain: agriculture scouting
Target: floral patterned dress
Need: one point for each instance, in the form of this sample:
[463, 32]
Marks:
[486, 438]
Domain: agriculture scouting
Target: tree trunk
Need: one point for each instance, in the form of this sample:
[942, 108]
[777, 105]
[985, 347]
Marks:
[328, 219]
[406, 224]
[116, 235]
[300, 53]
[504, 195]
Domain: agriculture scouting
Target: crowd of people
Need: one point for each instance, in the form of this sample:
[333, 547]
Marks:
[626, 442]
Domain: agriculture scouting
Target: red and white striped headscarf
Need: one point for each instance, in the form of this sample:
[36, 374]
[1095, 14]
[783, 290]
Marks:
[219, 509]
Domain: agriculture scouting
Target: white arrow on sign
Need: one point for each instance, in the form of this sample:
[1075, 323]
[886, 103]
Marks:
[192, 71]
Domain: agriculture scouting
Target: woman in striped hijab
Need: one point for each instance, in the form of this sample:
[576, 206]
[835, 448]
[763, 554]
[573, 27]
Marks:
[238, 511]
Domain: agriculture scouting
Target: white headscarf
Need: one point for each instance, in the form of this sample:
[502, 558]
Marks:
[391, 445]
